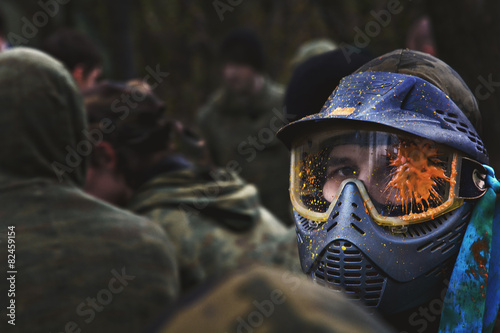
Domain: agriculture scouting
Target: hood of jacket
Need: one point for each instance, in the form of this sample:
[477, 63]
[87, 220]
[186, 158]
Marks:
[43, 118]
[216, 194]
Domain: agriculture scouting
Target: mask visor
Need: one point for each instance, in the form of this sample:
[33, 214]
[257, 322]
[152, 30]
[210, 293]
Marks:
[402, 179]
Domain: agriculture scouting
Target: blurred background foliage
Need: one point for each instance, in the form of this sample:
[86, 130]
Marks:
[182, 37]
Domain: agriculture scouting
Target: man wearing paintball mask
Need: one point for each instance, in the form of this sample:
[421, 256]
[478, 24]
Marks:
[394, 201]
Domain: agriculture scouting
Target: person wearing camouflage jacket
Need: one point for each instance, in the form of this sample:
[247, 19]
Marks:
[240, 120]
[215, 220]
[264, 299]
[213, 217]
[241, 131]
[73, 263]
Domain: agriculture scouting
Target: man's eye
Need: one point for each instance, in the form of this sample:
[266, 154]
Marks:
[348, 172]
[345, 172]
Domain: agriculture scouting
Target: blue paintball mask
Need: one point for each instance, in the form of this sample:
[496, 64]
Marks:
[383, 182]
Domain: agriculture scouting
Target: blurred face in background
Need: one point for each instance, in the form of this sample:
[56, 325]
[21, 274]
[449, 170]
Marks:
[104, 180]
[3, 44]
[86, 81]
[238, 78]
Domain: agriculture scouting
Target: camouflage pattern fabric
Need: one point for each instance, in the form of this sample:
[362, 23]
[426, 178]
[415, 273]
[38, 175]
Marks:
[216, 222]
[80, 265]
[432, 70]
[240, 133]
[262, 300]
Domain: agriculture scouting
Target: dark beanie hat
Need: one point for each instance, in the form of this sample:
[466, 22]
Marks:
[242, 46]
[314, 80]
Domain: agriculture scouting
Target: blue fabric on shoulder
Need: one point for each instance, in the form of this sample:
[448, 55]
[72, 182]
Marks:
[472, 301]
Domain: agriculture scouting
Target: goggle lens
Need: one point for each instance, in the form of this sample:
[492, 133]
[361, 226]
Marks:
[403, 179]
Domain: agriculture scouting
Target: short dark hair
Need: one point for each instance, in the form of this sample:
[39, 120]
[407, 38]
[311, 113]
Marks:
[73, 48]
[134, 132]
[143, 128]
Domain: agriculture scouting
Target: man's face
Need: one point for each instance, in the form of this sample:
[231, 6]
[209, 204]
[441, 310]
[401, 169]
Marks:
[239, 78]
[353, 162]
[88, 81]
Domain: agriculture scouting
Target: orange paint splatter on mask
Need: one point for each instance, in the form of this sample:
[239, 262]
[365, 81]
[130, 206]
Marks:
[416, 175]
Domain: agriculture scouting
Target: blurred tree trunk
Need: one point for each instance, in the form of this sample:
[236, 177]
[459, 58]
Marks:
[346, 18]
[121, 32]
[466, 34]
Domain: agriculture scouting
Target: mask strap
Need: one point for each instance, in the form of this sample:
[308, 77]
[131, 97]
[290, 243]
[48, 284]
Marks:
[472, 300]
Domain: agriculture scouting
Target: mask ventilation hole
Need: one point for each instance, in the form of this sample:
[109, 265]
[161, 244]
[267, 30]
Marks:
[332, 226]
[452, 119]
[356, 217]
[465, 219]
[424, 228]
[307, 224]
[358, 229]
[343, 267]
[447, 241]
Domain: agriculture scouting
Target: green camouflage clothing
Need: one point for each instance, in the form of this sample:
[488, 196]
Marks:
[240, 133]
[81, 264]
[215, 221]
[263, 300]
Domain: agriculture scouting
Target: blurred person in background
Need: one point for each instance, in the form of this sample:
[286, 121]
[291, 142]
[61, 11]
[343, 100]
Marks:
[82, 264]
[78, 53]
[420, 36]
[240, 120]
[314, 79]
[214, 218]
[310, 49]
[262, 300]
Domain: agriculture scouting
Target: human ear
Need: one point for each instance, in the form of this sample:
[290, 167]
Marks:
[78, 75]
[105, 156]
